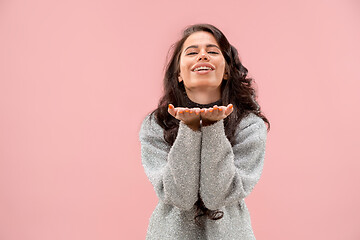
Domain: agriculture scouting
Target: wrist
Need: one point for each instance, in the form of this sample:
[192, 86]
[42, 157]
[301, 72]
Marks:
[205, 122]
[193, 125]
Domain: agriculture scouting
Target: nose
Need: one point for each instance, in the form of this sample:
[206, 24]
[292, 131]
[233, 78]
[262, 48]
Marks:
[203, 56]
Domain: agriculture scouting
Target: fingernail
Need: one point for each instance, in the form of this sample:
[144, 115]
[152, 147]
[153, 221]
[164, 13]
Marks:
[197, 113]
[190, 111]
[202, 110]
[220, 109]
[180, 111]
[231, 106]
[210, 110]
[171, 107]
[186, 110]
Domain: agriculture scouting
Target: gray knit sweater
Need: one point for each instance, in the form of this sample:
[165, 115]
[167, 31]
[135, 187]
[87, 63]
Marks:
[202, 162]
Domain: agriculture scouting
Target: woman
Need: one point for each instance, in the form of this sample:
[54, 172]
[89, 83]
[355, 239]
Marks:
[203, 147]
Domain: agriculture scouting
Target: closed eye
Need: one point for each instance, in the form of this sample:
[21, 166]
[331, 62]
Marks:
[196, 53]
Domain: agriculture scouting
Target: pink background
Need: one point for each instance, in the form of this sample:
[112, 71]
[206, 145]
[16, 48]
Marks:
[78, 77]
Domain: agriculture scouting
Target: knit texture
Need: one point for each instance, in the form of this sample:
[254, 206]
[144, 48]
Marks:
[202, 162]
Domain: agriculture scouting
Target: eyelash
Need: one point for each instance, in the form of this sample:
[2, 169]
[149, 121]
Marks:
[195, 53]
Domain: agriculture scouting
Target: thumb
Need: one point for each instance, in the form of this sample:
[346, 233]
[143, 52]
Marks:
[229, 109]
[171, 110]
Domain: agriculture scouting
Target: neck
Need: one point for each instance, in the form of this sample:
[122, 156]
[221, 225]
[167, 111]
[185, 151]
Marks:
[203, 97]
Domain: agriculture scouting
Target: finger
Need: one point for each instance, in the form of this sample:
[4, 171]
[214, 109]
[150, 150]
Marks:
[187, 112]
[197, 111]
[171, 110]
[193, 112]
[207, 113]
[215, 113]
[181, 110]
[229, 109]
[179, 113]
[204, 112]
[216, 108]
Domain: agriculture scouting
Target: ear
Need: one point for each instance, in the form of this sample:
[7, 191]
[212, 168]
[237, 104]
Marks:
[226, 76]
[180, 78]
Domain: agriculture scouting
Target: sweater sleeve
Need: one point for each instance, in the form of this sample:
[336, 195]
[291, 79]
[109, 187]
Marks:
[229, 173]
[172, 170]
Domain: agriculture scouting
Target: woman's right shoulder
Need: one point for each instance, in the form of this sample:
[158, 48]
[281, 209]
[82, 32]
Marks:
[149, 124]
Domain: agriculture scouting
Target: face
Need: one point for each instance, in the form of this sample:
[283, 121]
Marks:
[201, 48]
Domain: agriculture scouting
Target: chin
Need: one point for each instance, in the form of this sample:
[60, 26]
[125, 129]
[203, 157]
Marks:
[206, 81]
[203, 85]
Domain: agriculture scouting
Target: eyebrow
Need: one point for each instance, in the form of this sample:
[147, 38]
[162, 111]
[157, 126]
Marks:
[196, 46]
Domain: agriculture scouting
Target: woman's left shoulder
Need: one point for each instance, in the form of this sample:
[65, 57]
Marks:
[252, 123]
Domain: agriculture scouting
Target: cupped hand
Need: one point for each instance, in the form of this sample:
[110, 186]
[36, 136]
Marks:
[190, 116]
[214, 114]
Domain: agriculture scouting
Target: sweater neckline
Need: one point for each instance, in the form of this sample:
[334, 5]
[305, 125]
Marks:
[191, 104]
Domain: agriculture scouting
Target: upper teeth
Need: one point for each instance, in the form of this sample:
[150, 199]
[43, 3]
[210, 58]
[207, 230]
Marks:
[203, 67]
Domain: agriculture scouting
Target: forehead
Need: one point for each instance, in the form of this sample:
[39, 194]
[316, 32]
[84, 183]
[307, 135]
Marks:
[200, 38]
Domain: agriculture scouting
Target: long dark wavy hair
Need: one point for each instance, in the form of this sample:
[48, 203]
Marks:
[236, 89]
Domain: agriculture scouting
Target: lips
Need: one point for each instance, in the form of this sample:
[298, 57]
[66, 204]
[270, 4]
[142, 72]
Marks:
[203, 65]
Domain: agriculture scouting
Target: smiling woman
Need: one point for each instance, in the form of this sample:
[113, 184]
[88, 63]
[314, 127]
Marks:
[203, 147]
[202, 67]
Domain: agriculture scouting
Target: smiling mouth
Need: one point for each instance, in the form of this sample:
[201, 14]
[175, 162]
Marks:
[202, 69]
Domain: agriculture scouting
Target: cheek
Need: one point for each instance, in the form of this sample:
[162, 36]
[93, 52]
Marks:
[181, 63]
[184, 67]
[222, 67]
